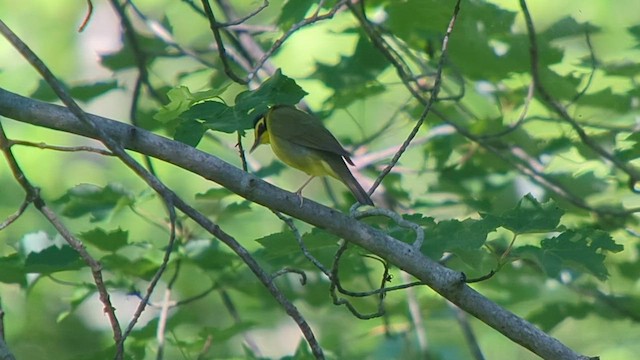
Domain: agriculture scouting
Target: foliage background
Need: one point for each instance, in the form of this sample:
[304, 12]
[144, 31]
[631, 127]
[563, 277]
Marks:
[58, 314]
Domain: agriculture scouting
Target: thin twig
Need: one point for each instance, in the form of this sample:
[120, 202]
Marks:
[202, 355]
[152, 284]
[13, 217]
[296, 233]
[288, 270]
[446, 282]
[335, 285]
[241, 20]
[467, 331]
[264, 278]
[523, 167]
[213, 24]
[117, 149]
[1, 321]
[164, 313]
[140, 56]
[42, 145]
[243, 158]
[87, 17]
[33, 193]
[5, 353]
[297, 26]
[594, 62]
[235, 314]
[521, 118]
[432, 99]
[416, 316]
[329, 274]
[165, 35]
[397, 218]
[634, 175]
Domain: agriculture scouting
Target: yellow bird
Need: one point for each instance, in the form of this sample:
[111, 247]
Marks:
[301, 141]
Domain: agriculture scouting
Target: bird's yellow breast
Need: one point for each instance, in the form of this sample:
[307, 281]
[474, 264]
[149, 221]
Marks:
[301, 157]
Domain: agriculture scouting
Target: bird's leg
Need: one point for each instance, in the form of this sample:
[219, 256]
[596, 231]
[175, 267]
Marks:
[299, 192]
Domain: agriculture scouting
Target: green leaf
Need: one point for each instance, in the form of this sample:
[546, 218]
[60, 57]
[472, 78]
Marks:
[99, 203]
[453, 235]
[530, 216]
[549, 262]
[282, 244]
[214, 194]
[217, 116]
[582, 250]
[228, 332]
[567, 27]
[550, 315]
[274, 168]
[630, 269]
[602, 240]
[181, 99]
[635, 32]
[413, 19]
[625, 69]
[53, 259]
[108, 241]
[282, 249]
[278, 89]
[80, 294]
[302, 351]
[209, 255]
[82, 92]
[585, 184]
[292, 12]
[12, 270]
[140, 267]
[234, 209]
[189, 132]
[561, 87]
[354, 76]
[126, 58]
[605, 98]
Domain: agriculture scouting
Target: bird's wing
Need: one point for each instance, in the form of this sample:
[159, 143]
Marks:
[303, 129]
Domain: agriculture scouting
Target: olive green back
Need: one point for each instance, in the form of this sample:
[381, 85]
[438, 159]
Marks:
[303, 129]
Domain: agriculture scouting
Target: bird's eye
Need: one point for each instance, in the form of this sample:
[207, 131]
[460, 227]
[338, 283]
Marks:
[261, 127]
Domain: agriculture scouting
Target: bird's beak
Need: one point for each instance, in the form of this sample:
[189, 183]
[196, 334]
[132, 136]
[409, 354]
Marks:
[255, 145]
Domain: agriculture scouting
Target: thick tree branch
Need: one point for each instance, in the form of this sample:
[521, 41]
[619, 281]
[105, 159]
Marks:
[445, 281]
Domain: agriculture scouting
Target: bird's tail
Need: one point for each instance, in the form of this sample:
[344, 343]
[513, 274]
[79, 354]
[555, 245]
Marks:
[344, 175]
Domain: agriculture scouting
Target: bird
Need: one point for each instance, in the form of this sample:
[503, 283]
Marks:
[301, 141]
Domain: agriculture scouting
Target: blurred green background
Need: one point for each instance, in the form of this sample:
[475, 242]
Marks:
[57, 316]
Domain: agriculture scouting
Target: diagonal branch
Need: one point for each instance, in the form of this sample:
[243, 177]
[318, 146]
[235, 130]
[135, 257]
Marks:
[634, 174]
[115, 148]
[33, 195]
[445, 281]
[434, 92]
